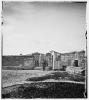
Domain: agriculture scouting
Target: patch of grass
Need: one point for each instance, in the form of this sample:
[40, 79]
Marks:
[48, 90]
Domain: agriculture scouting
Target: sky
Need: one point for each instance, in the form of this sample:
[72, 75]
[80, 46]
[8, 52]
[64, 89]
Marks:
[30, 27]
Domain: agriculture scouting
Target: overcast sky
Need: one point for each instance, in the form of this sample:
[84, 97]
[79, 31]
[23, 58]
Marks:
[43, 26]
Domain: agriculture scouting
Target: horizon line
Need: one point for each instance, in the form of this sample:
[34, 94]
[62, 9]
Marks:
[40, 53]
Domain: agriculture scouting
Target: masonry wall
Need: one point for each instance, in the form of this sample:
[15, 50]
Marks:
[57, 60]
[81, 59]
[68, 59]
[60, 59]
[41, 58]
[14, 60]
[28, 64]
[49, 59]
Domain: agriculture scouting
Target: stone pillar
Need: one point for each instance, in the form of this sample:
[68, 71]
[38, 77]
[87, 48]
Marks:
[53, 60]
[40, 60]
[53, 56]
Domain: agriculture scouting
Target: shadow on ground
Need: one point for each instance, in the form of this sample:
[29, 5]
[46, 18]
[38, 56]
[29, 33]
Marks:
[59, 76]
[47, 90]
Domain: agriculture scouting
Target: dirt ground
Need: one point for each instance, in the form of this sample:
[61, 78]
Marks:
[12, 77]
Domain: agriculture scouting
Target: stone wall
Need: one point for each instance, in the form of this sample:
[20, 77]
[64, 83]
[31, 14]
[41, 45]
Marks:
[41, 58]
[54, 59]
[28, 63]
[68, 59]
[14, 60]
[36, 57]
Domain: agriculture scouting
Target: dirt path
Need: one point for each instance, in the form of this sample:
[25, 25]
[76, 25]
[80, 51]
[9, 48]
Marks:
[12, 77]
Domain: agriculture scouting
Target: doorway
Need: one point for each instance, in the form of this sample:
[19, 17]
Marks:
[76, 63]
